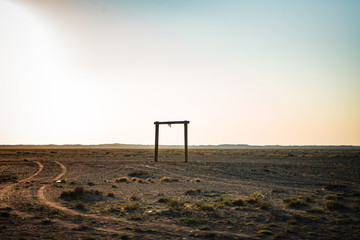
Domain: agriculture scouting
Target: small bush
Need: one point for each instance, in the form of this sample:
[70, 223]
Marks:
[264, 205]
[80, 206]
[295, 201]
[72, 195]
[110, 194]
[308, 199]
[164, 200]
[254, 198]
[95, 192]
[203, 206]
[168, 179]
[68, 195]
[132, 207]
[79, 190]
[237, 202]
[133, 198]
[135, 217]
[121, 179]
[192, 191]
[264, 232]
[114, 210]
[176, 204]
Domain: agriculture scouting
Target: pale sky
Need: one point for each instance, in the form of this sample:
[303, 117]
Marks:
[257, 72]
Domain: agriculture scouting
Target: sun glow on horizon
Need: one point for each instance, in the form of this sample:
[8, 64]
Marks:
[245, 72]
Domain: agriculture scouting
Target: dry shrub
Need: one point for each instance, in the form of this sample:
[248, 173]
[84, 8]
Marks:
[72, 194]
[192, 191]
[265, 205]
[237, 202]
[176, 205]
[110, 194]
[121, 179]
[255, 198]
[296, 201]
[133, 198]
[132, 207]
[164, 200]
[168, 179]
[203, 206]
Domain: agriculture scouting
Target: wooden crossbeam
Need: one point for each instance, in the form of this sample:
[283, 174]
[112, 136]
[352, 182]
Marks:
[172, 122]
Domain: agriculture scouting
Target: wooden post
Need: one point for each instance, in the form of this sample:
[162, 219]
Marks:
[156, 141]
[186, 140]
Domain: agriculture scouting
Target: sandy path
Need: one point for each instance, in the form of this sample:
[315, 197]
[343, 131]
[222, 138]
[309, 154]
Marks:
[169, 227]
[4, 198]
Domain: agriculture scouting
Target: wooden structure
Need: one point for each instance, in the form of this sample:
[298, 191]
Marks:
[170, 123]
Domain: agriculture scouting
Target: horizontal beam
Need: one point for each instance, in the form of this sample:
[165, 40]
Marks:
[172, 122]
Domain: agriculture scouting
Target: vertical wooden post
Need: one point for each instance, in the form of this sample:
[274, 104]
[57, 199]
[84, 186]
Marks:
[156, 141]
[186, 140]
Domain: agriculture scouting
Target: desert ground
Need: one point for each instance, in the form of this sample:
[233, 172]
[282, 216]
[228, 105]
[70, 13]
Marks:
[109, 193]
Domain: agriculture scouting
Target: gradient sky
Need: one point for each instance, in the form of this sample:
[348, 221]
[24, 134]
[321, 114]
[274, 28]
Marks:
[241, 71]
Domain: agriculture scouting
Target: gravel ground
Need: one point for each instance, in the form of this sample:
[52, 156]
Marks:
[93, 193]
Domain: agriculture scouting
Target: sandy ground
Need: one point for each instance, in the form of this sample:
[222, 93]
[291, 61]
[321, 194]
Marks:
[218, 194]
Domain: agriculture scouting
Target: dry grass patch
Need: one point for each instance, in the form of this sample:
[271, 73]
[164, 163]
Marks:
[254, 198]
[110, 194]
[132, 207]
[264, 232]
[192, 191]
[121, 179]
[297, 201]
[237, 202]
[204, 206]
[176, 205]
[168, 179]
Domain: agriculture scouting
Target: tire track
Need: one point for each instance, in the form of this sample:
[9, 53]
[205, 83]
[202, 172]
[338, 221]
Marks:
[171, 227]
[44, 200]
[4, 192]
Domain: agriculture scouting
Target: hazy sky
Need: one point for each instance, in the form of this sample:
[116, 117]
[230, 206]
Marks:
[241, 71]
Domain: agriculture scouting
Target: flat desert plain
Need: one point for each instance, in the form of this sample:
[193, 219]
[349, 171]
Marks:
[98, 193]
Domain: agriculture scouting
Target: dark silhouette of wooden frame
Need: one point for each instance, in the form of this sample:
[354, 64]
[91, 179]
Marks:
[170, 123]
